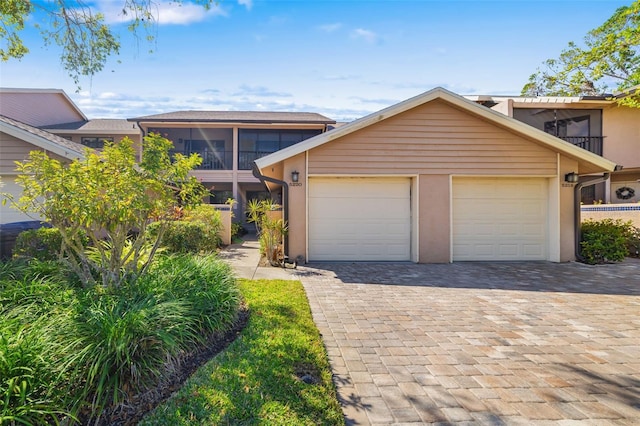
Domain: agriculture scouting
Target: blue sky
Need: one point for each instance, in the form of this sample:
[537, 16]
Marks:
[344, 59]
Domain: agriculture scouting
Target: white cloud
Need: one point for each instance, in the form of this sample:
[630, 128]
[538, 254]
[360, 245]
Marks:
[164, 12]
[246, 3]
[329, 28]
[366, 35]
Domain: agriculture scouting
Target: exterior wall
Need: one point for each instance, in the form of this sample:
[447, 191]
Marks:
[621, 128]
[434, 142]
[566, 206]
[630, 180]
[434, 219]
[13, 149]
[7, 213]
[38, 109]
[623, 212]
[430, 139]
[297, 206]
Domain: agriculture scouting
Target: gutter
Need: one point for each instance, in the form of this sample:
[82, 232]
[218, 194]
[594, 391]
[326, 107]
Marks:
[285, 202]
[576, 210]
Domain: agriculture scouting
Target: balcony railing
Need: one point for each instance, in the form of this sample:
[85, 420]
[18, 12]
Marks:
[590, 143]
[213, 160]
[246, 158]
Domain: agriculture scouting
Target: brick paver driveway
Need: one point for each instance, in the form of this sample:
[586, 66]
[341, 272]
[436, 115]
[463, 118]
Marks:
[481, 343]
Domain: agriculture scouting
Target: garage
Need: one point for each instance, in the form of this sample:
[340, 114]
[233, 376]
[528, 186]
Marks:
[500, 219]
[363, 219]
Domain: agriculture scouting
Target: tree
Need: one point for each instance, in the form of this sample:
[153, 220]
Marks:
[109, 199]
[608, 60]
[86, 40]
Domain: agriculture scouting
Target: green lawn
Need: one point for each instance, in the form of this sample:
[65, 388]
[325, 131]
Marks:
[256, 380]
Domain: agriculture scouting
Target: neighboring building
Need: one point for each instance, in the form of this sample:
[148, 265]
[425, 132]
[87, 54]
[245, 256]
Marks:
[17, 139]
[230, 141]
[47, 119]
[94, 133]
[39, 107]
[595, 123]
[436, 178]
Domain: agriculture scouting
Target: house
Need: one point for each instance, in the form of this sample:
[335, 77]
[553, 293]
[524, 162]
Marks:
[229, 142]
[595, 123]
[47, 119]
[17, 139]
[435, 178]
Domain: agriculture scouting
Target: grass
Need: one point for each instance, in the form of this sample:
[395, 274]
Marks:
[69, 353]
[257, 379]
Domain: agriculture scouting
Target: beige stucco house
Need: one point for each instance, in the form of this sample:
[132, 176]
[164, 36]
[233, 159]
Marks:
[596, 123]
[436, 178]
[229, 142]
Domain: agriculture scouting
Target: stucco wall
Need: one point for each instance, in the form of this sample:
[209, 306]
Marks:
[623, 212]
[621, 128]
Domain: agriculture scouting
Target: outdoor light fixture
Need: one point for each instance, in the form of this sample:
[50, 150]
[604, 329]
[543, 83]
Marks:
[571, 177]
[295, 175]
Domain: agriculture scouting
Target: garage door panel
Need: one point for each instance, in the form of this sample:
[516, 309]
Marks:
[359, 219]
[499, 219]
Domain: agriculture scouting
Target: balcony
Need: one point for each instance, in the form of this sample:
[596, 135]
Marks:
[246, 158]
[590, 143]
[212, 160]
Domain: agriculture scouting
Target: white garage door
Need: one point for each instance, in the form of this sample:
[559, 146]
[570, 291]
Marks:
[500, 219]
[359, 219]
[7, 213]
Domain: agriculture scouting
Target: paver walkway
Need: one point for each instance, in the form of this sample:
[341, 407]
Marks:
[481, 343]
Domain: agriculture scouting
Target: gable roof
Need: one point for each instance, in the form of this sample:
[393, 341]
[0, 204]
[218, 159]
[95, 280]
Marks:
[41, 138]
[237, 117]
[588, 161]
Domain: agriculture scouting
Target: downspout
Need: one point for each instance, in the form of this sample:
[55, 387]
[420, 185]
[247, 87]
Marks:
[576, 210]
[285, 201]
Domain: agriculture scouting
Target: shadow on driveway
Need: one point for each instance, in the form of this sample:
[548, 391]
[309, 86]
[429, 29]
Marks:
[621, 278]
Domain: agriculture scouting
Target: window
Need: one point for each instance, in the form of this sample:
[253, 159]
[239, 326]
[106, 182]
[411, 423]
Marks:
[254, 143]
[569, 127]
[219, 197]
[95, 142]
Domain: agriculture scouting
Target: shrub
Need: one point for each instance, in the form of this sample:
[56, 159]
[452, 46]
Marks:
[67, 350]
[197, 231]
[180, 236]
[211, 219]
[237, 230]
[633, 242]
[42, 244]
[605, 240]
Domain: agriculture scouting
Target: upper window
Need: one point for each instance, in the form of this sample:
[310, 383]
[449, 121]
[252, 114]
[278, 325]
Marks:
[569, 127]
[267, 141]
[97, 143]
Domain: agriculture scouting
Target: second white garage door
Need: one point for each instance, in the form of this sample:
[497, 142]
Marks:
[500, 219]
[359, 219]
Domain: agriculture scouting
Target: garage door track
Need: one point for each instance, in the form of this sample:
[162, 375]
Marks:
[481, 343]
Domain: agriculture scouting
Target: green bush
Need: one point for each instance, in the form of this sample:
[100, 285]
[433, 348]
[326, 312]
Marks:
[211, 219]
[42, 244]
[70, 351]
[605, 240]
[198, 231]
[183, 237]
[633, 242]
[237, 230]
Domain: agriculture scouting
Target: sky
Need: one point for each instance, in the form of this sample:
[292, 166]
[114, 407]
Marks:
[343, 59]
